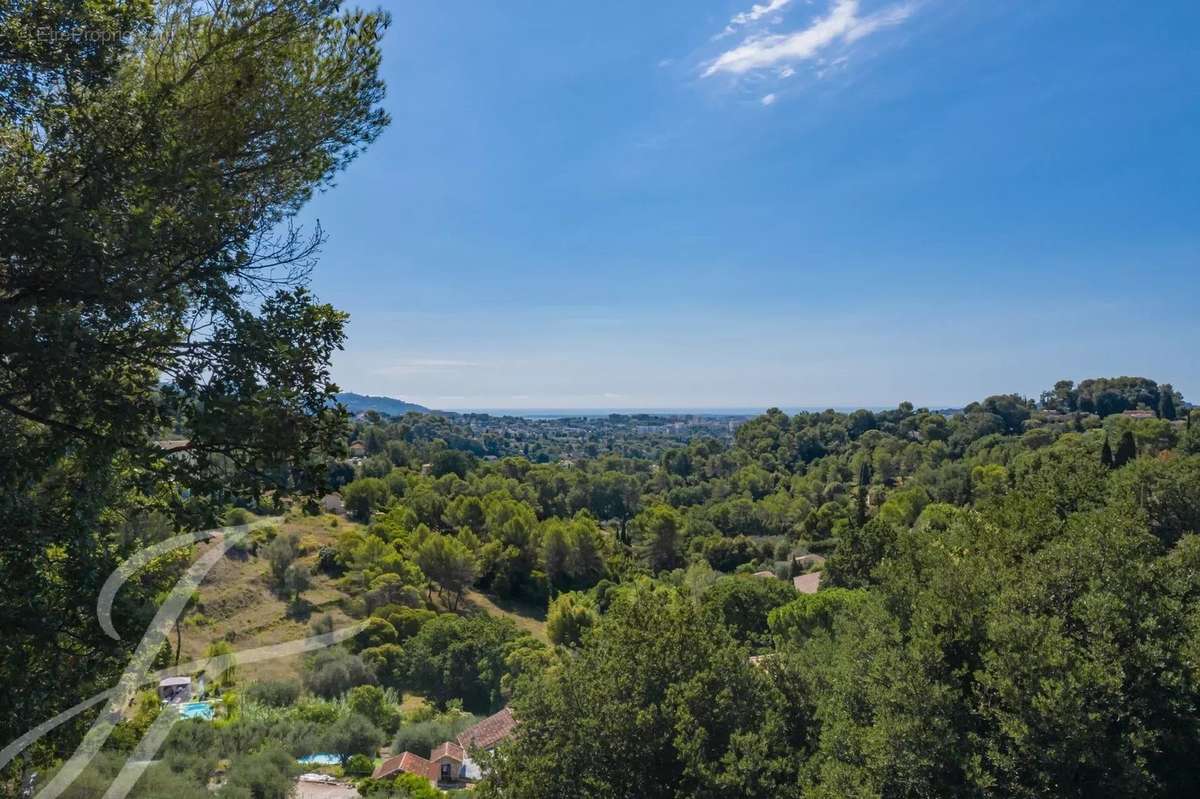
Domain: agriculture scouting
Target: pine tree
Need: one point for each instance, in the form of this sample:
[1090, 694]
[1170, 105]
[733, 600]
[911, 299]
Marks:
[1126, 450]
[1106, 454]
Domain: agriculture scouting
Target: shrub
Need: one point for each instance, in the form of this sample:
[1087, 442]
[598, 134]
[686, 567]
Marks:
[353, 735]
[402, 786]
[373, 703]
[319, 712]
[281, 552]
[267, 773]
[726, 554]
[422, 736]
[237, 516]
[822, 547]
[274, 693]
[327, 560]
[359, 766]
[570, 615]
[333, 672]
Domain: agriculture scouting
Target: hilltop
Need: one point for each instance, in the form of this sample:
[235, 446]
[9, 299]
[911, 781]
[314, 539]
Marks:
[359, 403]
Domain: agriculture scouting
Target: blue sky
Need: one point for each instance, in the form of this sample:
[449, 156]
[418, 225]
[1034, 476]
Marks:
[684, 204]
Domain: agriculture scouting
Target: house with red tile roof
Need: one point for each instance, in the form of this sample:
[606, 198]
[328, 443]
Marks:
[484, 737]
[448, 759]
[450, 762]
[408, 763]
[488, 733]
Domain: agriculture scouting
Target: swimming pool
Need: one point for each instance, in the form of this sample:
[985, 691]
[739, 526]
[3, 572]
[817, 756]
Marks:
[196, 710]
[320, 759]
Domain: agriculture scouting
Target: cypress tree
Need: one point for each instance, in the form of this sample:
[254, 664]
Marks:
[1126, 450]
[864, 484]
[1106, 454]
[1166, 404]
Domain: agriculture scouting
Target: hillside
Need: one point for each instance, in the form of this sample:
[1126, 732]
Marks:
[802, 571]
[238, 604]
[359, 403]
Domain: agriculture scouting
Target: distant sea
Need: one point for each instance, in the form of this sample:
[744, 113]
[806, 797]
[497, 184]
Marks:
[567, 413]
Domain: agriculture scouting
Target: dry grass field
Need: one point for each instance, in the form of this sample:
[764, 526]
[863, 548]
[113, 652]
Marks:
[238, 604]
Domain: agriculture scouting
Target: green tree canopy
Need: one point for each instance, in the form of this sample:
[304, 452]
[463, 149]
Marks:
[447, 562]
[569, 617]
[161, 349]
[656, 686]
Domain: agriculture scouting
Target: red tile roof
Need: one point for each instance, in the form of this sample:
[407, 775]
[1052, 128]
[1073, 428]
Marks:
[387, 768]
[448, 749]
[489, 732]
[409, 763]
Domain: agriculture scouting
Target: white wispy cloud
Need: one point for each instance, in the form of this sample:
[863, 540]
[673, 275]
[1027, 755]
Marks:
[841, 25]
[768, 99]
[412, 366]
[756, 12]
[883, 19]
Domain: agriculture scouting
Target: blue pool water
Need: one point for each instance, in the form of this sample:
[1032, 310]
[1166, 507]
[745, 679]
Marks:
[320, 759]
[196, 710]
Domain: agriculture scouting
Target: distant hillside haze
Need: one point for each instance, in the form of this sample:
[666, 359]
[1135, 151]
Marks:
[358, 403]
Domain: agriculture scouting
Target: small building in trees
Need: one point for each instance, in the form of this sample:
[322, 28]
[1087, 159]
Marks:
[484, 737]
[407, 763]
[175, 690]
[332, 503]
[807, 562]
[807, 583]
[449, 758]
